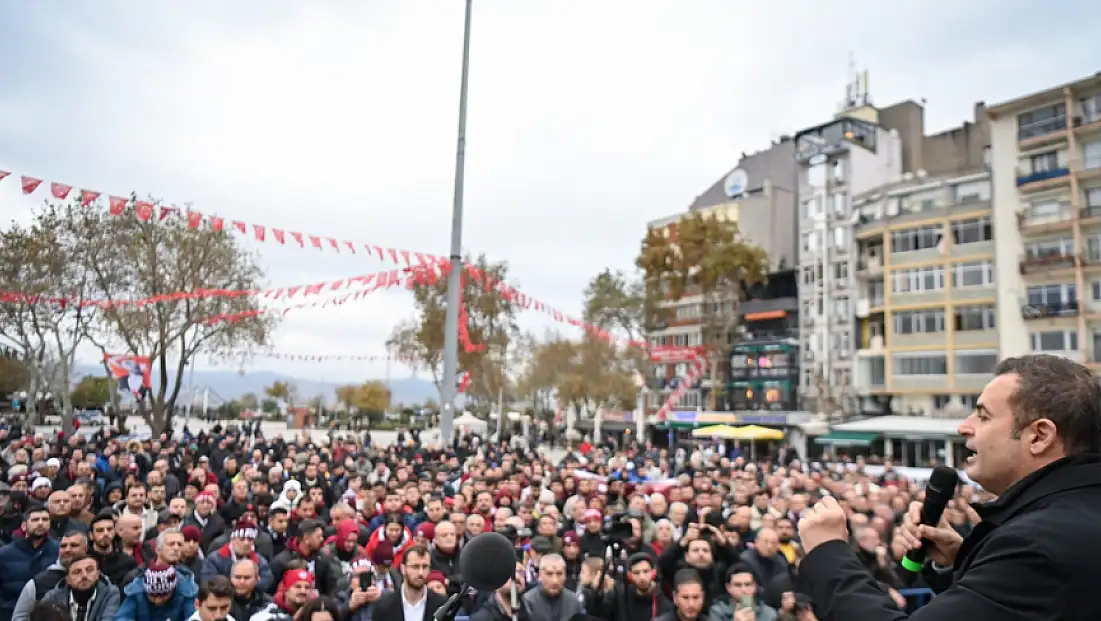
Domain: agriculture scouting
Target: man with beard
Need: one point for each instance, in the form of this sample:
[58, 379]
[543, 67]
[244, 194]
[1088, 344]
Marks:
[85, 592]
[278, 526]
[60, 506]
[296, 589]
[306, 548]
[214, 600]
[24, 558]
[72, 545]
[248, 599]
[111, 561]
[551, 600]
[640, 595]
[413, 600]
[499, 607]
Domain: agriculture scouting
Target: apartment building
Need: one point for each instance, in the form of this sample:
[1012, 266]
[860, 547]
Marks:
[758, 195]
[926, 310]
[1045, 156]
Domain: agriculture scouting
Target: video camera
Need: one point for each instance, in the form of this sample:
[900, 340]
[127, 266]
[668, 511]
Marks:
[617, 529]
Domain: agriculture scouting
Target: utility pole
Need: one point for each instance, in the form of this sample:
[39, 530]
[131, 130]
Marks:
[454, 275]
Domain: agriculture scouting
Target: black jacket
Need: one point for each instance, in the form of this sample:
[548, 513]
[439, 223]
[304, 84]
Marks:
[389, 606]
[1031, 558]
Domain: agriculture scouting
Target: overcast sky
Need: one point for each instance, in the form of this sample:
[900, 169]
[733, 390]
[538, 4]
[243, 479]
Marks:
[587, 118]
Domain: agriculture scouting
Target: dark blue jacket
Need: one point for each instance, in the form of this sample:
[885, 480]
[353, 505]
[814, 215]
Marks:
[20, 563]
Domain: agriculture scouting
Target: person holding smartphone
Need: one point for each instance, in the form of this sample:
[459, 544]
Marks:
[362, 591]
[741, 602]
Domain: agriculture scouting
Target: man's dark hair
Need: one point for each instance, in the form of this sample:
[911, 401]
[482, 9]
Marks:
[218, 586]
[48, 611]
[1062, 391]
[418, 550]
[34, 508]
[741, 568]
[686, 576]
[309, 526]
[278, 509]
[78, 558]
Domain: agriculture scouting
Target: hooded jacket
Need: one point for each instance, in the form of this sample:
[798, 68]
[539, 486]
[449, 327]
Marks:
[137, 607]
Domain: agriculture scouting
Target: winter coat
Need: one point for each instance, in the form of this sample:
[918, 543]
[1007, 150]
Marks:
[220, 563]
[21, 562]
[137, 607]
[104, 607]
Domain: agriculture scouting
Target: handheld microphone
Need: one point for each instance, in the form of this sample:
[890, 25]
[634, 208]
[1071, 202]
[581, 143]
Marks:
[938, 491]
[487, 563]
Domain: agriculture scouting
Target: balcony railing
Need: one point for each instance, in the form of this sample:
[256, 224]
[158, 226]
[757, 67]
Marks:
[1090, 211]
[1049, 310]
[1091, 162]
[1041, 217]
[1041, 128]
[1025, 176]
[1032, 263]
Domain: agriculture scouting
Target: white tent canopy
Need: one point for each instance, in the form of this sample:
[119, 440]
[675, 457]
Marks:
[469, 420]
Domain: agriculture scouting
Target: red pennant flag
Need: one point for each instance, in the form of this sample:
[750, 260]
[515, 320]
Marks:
[315, 241]
[217, 224]
[87, 197]
[240, 226]
[298, 238]
[30, 184]
[421, 261]
[292, 290]
[335, 244]
[405, 257]
[194, 219]
[278, 235]
[313, 289]
[463, 380]
[350, 246]
[381, 254]
[3, 173]
[258, 230]
[336, 284]
[144, 209]
[60, 190]
[118, 205]
[168, 211]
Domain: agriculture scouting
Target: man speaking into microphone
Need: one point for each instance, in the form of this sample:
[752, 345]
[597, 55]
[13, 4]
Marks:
[1036, 438]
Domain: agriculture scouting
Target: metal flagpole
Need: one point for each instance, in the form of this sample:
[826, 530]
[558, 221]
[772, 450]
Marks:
[454, 276]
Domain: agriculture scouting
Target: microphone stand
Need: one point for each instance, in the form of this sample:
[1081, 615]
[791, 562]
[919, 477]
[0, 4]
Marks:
[451, 607]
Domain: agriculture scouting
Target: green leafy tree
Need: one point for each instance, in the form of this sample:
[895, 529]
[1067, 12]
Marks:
[369, 400]
[284, 391]
[249, 401]
[705, 255]
[91, 392]
[269, 406]
[490, 322]
[14, 375]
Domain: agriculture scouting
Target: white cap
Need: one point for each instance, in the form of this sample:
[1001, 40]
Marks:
[41, 482]
[53, 462]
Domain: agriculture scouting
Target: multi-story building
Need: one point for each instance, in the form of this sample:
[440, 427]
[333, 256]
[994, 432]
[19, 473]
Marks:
[1045, 156]
[758, 195]
[764, 359]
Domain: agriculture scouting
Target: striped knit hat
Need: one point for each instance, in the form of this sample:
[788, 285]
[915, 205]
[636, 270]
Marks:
[160, 579]
[245, 529]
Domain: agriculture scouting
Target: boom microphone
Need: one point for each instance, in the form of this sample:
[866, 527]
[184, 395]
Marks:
[938, 491]
[488, 562]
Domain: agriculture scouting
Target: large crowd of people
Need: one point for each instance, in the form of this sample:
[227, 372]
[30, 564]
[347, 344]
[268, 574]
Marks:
[229, 524]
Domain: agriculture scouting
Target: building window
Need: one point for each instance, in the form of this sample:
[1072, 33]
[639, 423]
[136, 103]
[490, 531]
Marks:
[841, 205]
[841, 307]
[1041, 121]
[811, 208]
[919, 322]
[839, 171]
[1044, 162]
[1050, 248]
[974, 274]
[976, 362]
[970, 318]
[911, 240]
[841, 238]
[917, 280]
[1054, 340]
[972, 230]
[841, 273]
[688, 311]
[972, 192]
[921, 364]
[941, 401]
[1043, 295]
[1093, 197]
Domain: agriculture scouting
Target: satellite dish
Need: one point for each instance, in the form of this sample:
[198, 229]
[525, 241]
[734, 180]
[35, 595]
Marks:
[736, 183]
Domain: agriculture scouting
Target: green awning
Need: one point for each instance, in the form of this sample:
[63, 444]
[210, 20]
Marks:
[848, 438]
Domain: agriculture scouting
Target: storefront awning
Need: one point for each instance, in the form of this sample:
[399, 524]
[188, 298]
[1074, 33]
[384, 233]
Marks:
[847, 438]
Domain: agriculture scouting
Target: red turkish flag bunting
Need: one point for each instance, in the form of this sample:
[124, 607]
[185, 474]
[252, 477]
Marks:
[258, 231]
[168, 211]
[194, 219]
[293, 290]
[315, 241]
[393, 254]
[30, 184]
[217, 224]
[118, 205]
[298, 238]
[405, 257]
[335, 244]
[313, 289]
[60, 190]
[350, 246]
[381, 255]
[87, 197]
[278, 235]
[3, 173]
[144, 209]
[240, 226]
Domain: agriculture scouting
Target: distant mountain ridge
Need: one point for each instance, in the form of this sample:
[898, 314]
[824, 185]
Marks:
[229, 385]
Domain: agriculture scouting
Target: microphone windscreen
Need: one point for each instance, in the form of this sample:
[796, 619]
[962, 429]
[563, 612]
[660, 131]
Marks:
[488, 562]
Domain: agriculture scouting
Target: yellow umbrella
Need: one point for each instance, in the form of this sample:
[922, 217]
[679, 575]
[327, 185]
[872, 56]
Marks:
[755, 432]
[715, 431]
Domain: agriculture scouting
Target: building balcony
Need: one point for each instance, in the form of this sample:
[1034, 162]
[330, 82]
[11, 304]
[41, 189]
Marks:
[1042, 132]
[869, 266]
[1052, 310]
[1032, 264]
[1031, 180]
[1037, 221]
[1088, 167]
[1090, 212]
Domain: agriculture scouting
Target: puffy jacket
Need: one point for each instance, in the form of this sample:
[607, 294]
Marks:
[21, 562]
[137, 607]
[104, 607]
[220, 563]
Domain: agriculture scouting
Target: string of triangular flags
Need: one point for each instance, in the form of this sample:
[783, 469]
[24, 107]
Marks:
[149, 211]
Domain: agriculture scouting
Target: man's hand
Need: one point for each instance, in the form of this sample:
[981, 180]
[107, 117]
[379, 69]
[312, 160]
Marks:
[691, 533]
[825, 522]
[746, 614]
[944, 540]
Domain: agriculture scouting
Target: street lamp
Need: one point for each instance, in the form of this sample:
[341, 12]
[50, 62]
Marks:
[454, 275]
